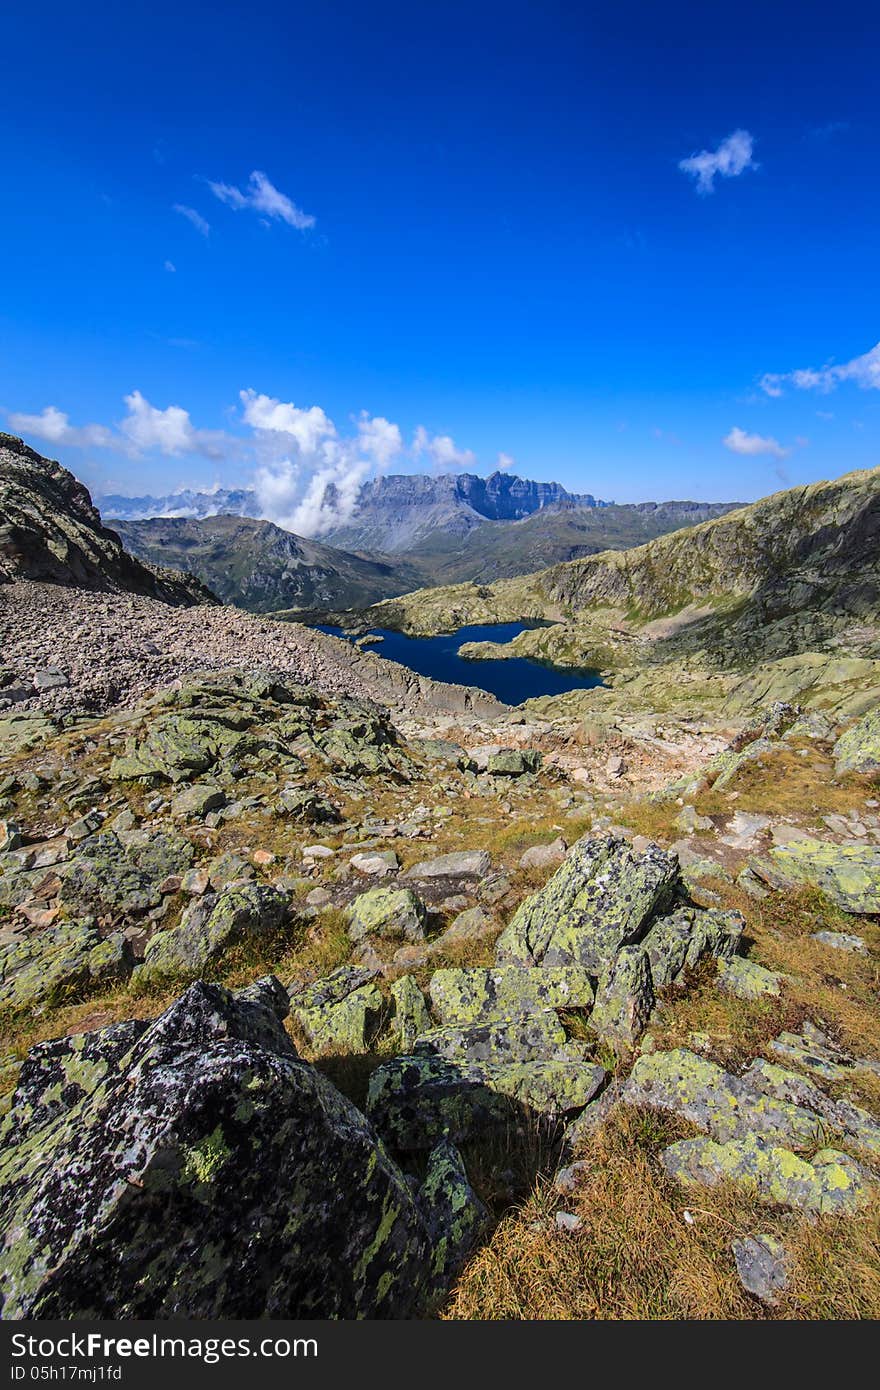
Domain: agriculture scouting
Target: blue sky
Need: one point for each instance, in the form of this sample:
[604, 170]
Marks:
[429, 236]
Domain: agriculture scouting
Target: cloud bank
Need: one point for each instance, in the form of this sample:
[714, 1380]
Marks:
[863, 371]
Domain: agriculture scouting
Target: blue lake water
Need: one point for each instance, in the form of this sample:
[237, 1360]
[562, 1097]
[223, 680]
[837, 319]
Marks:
[512, 681]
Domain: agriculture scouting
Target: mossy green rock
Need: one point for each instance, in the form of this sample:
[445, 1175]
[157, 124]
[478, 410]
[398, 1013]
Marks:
[601, 898]
[411, 1014]
[197, 1167]
[339, 1013]
[310, 807]
[526, 1037]
[479, 994]
[61, 962]
[848, 874]
[856, 1124]
[723, 1105]
[456, 1217]
[241, 913]
[832, 1183]
[415, 1100]
[748, 980]
[679, 942]
[624, 997]
[394, 914]
[858, 748]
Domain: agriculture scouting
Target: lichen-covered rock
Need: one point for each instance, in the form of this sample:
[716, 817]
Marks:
[813, 1054]
[856, 1124]
[393, 914]
[310, 807]
[678, 942]
[717, 1102]
[544, 856]
[519, 1039]
[848, 874]
[832, 1183]
[411, 1015]
[239, 914]
[455, 1216]
[415, 1100]
[858, 748]
[196, 801]
[748, 980]
[600, 899]
[841, 941]
[196, 1167]
[59, 962]
[513, 762]
[472, 863]
[339, 1013]
[624, 997]
[761, 1263]
[723, 768]
[478, 994]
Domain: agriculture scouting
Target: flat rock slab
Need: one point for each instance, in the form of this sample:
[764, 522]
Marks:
[474, 863]
[761, 1264]
[848, 874]
[477, 994]
[832, 1183]
[414, 1100]
[525, 1038]
[717, 1102]
[748, 980]
[601, 898]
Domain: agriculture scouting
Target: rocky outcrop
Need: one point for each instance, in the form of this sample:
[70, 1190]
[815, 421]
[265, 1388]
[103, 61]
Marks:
[49, 530]
[197, 1167]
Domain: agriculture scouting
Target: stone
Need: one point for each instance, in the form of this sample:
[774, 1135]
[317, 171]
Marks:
[471, 925]
[748, 980]
[743, 830]
[140, 1195]
[10, 836]
[680, 941]
[601, 898]
[240, 914]
[858, 748]
[624, 997]
[196, 801]
[393, 914]
[479, 994]
[721, 1104]
[340, 1012]
[310, 807]
[50, 679]
[568, 1221]
[831, 1183]
[689, 820]
[411, 1014]
[61, 962]
[415, 1100]
[848, 874]
[473, 863]
[814, 1055]
[376, 865]
[544, 856]
[520, 1039]
[841, 941]
[761, 1263]
[859, 1127]
[512, 762]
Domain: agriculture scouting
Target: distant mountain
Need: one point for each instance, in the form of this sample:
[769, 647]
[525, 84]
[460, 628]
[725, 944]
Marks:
[555, 534]
[221, 502]
[50, 531]
[255, 565]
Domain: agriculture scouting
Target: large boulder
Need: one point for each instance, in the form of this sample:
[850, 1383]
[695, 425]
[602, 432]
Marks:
[847, 874]
[831, 1182]
[196, 1167]
[392, 914]
[858, 748]
[240, 914]
[601, 898]
[479, 994]
[61, 962]
[339, 1012]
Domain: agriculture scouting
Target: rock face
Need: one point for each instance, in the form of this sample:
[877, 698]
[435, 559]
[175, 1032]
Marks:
[49, 530]
[600, 899]
[196, 1167]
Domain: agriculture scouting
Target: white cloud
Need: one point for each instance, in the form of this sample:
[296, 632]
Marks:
[441, 449]
[732, 157]
[195, 218]
[740, 442]
[170, 267]
[307, 427]
[864, 371]
[262, 196]
[170, 431]
[380, 439]
[53, 425]
[506, 462]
